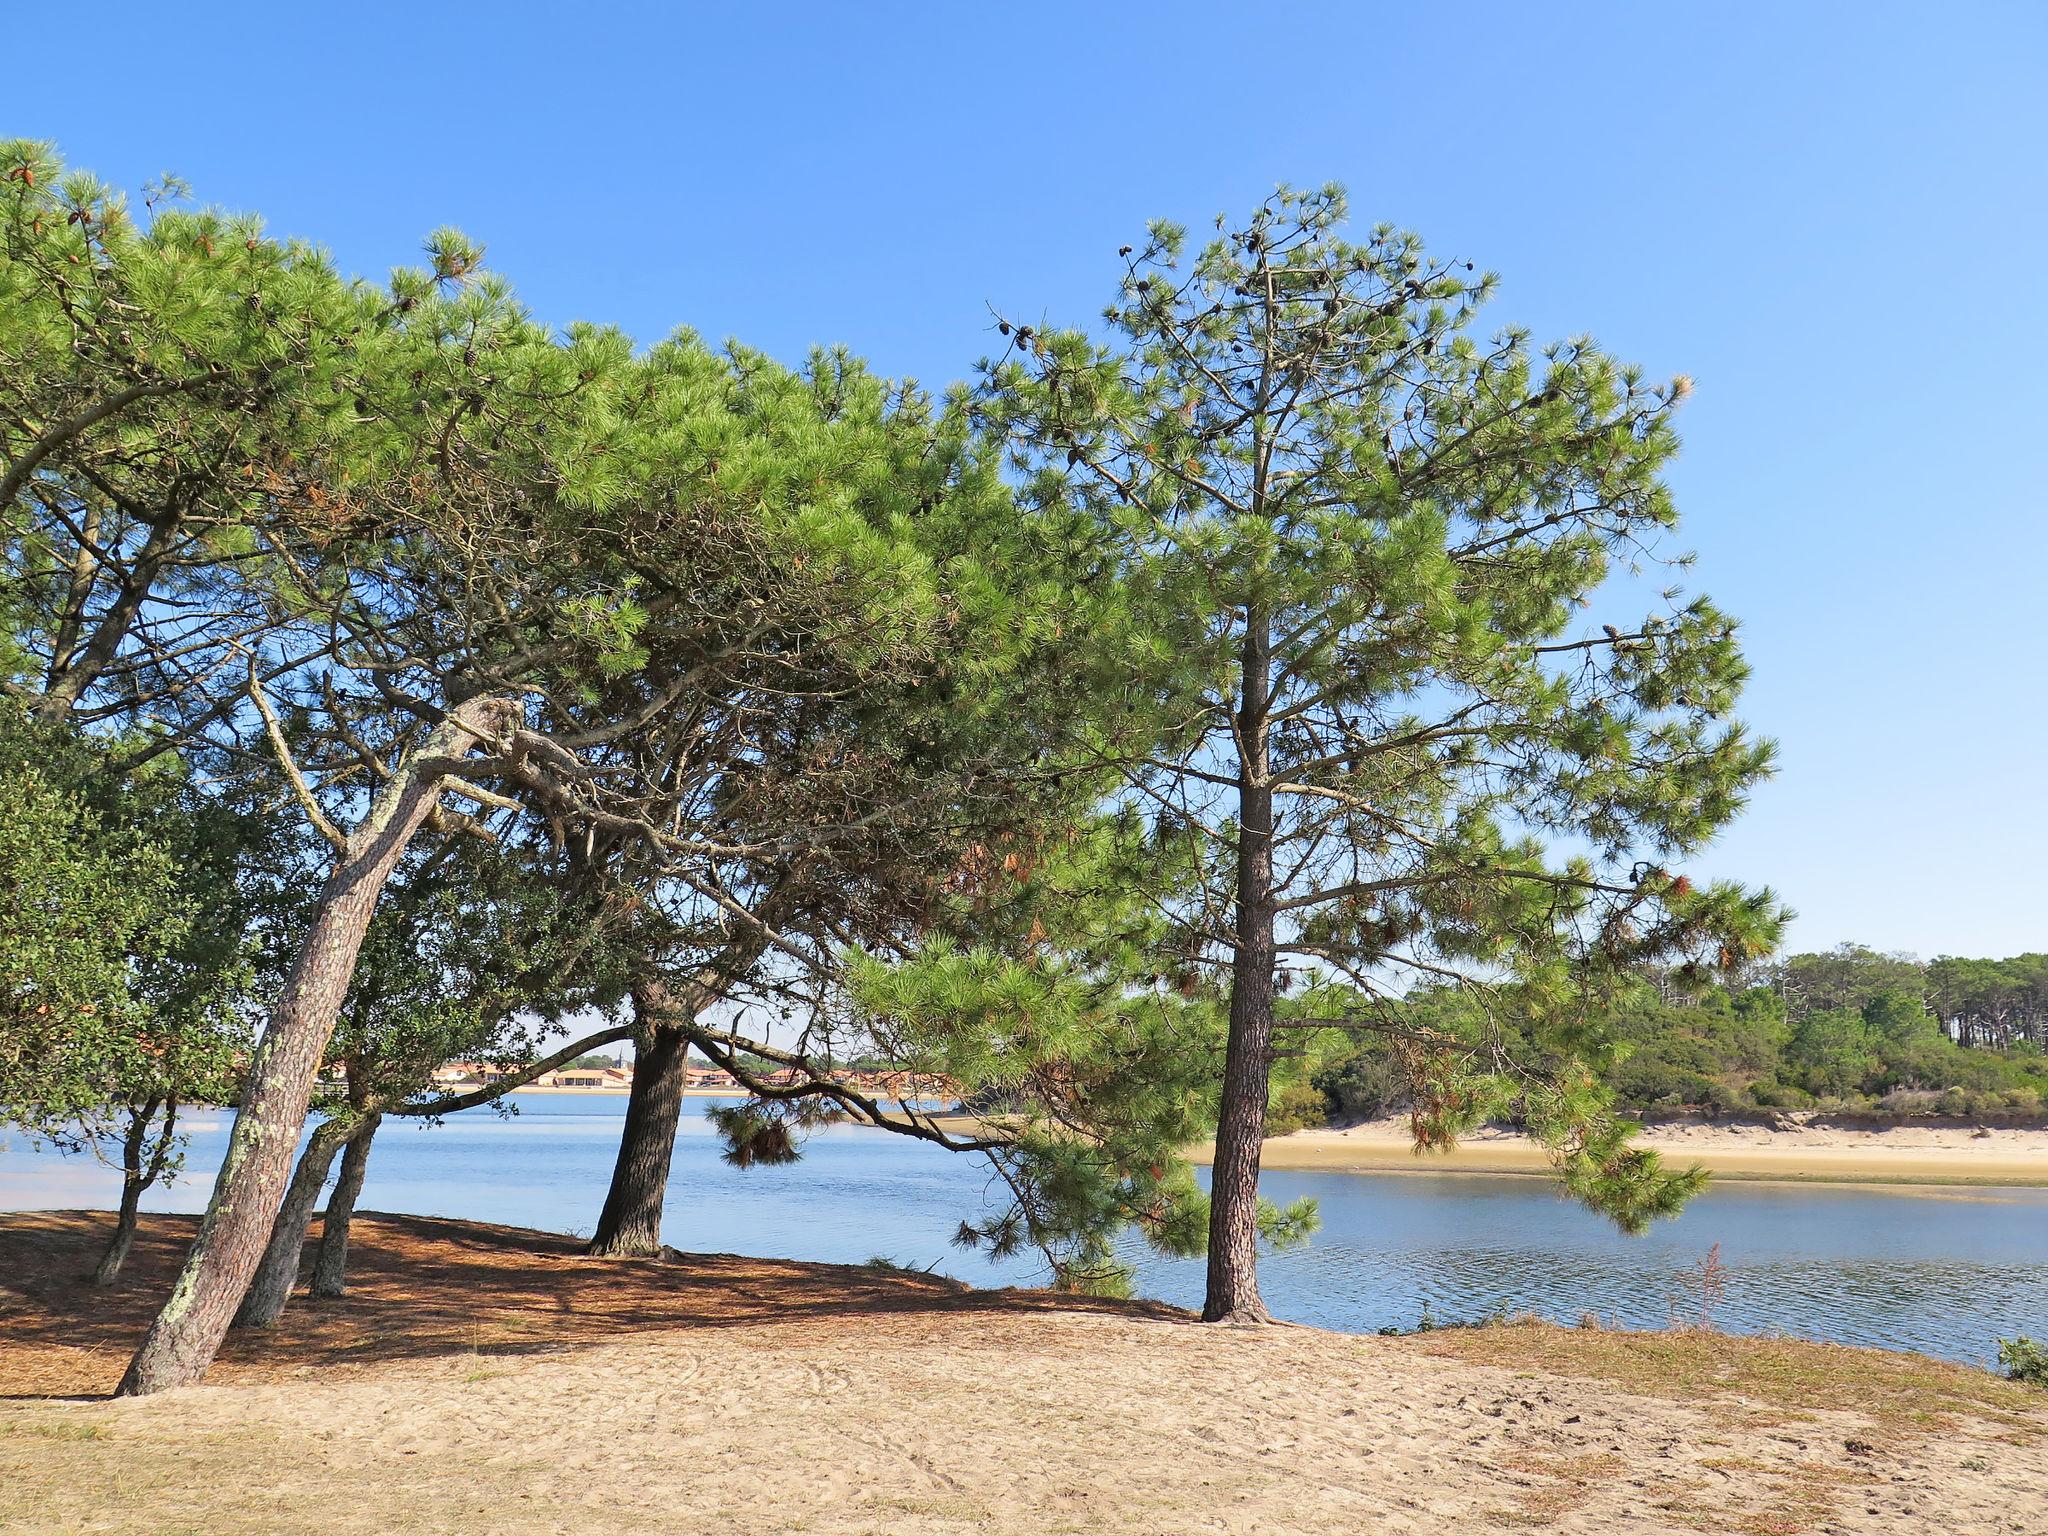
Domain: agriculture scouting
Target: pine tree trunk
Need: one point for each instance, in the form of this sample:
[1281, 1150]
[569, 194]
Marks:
[630, 1226]
[1233, 1287]
[278, 1272]
[187, 1333]
[330, 1264]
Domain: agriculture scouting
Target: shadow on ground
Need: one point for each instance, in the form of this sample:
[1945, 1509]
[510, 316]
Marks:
[423, 1286]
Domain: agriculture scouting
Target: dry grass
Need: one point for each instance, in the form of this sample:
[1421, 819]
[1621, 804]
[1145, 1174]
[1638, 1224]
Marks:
[1895, 1390]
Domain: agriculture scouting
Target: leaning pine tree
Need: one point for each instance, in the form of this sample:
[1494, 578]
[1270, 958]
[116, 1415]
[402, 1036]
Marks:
[1393, 740]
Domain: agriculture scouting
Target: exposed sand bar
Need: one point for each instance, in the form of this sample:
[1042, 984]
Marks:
[1818, 1154]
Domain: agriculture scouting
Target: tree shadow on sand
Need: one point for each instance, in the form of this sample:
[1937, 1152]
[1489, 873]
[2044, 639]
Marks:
[422, 1287]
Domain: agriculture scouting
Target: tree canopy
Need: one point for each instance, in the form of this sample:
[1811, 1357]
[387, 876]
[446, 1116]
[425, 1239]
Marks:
[1365, 536]
[1086, 738]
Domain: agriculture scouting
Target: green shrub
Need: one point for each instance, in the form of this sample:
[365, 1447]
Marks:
[1770, 1094]
[1294, 1107]
[1727, 1098]
[2024, 1360]
[1365, 1085]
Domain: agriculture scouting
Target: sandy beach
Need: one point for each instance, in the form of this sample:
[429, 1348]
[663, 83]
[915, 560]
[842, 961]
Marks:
[1812, 1152]
[483, 1379]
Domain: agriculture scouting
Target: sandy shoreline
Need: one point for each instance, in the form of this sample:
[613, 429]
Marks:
[481, 1379]
[1810, 1153]
[1815, 1152]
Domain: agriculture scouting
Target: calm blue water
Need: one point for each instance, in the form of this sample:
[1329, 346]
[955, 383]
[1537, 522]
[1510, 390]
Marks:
[1944, 1272]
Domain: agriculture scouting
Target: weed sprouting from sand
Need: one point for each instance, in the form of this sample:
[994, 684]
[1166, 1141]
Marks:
[478, 1369]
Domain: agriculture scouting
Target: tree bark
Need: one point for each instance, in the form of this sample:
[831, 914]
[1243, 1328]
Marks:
[278, 1272]
[131, 1199]
[330, 1264]
[1233, 1282]
[123, 1237]
[630, 1225]
[135, 1178]
[187, 1333]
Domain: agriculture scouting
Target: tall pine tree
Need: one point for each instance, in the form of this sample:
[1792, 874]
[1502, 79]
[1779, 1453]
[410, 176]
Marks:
[1395, 740]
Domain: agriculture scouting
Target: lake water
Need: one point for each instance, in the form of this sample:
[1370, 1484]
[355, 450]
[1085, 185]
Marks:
[1944, 1271]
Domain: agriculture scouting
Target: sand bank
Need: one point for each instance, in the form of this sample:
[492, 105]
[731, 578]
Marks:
[1813, 1152]
[479, 1380]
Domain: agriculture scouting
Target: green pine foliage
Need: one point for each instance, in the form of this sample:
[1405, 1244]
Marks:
[1391, 745]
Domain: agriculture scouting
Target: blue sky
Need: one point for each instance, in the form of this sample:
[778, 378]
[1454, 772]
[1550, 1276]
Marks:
[1831, 216]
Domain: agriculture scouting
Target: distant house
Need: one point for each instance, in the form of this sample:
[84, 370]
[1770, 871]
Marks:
[586, 1077]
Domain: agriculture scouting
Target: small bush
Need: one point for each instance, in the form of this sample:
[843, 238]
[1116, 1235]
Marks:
[1769, 1094]
[1910, 1101]
[2024, 1360]
[1296, 1107]
[1365, 1085]
[1724, 1099]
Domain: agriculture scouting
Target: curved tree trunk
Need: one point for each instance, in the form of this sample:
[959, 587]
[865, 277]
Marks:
[1233, 1289]
[187, 1333]
[330, 1264]
[123, 1237]
[131, 1199]
[279, 1271]
[630, 1225]
[136, 1176]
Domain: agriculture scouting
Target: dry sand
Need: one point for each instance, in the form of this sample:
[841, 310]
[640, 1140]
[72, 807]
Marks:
[483, 1379]
[1811, 1150]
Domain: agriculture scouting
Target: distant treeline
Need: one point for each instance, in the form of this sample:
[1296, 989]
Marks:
[1847, 1030]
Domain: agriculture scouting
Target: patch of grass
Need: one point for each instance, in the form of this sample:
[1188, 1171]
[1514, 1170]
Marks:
[1569, 1482]
[1793, 1375]
[54, 1430]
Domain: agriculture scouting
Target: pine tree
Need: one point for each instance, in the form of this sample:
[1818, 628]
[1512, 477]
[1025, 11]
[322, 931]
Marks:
[1389, 741]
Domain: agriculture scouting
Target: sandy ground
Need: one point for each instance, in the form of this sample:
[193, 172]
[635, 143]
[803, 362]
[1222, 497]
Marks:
[484, 1379]
[1813, 1151]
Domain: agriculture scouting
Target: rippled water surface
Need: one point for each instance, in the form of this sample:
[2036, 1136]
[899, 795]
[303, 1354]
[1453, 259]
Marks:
[1948, 1272]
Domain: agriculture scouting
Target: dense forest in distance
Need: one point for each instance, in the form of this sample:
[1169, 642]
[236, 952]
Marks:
[1849, 1031]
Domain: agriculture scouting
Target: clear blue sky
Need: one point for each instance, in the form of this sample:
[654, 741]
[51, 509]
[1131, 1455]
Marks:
[1832, 216]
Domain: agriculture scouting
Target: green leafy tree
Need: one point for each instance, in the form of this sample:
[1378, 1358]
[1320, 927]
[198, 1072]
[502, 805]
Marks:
[127, 952]
[1367, 535]
[81, 900]
[1833, 1053]
[575, 587]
